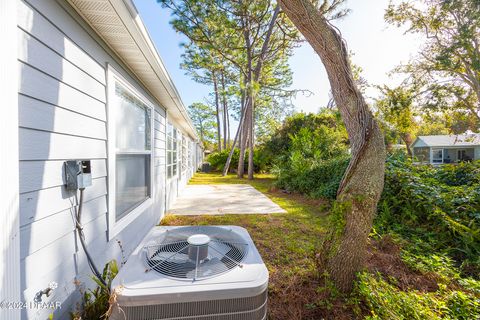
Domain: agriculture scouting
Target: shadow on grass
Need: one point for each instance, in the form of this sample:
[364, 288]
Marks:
[288, 243]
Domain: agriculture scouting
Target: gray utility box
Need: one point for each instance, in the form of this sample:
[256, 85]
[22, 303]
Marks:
[78, 174]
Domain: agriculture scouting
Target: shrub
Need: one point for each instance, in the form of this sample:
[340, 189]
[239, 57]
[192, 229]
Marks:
[319, 181]
[314, 154]
[463, 173]
[386, 301]
[261, 160]
[217, 159]
[280, 143]
[437, 209]
[96, 302]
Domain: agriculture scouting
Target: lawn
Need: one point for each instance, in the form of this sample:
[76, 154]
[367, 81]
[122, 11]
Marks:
[397, 283]
[287, 243]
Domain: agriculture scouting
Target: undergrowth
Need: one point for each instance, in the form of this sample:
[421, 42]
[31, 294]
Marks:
[425, 278]
[433, 215]
[96, 302]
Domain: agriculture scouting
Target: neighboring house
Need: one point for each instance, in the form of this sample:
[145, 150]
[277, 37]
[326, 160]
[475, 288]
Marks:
[91, 86]
[447, 148]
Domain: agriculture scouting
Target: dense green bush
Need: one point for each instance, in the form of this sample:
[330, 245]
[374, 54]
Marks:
[463, 173]
[217, 159]
[433, 213]
[261, 161]
[437, 208]
[386, 301]
[314, 155]
[320, 180]
[280, 143]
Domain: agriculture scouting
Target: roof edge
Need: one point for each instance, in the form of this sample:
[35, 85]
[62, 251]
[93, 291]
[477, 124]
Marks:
[147, 65]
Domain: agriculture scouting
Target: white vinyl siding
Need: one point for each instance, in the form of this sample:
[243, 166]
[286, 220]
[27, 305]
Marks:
[63, 95]
[10, 267]
[62, 115]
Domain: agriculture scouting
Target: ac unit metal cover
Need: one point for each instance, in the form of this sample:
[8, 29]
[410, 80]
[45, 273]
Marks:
[238, 293]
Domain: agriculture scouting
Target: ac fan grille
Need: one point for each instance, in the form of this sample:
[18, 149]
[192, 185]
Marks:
[180, 260]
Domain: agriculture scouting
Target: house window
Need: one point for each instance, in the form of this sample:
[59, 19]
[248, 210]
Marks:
[462, 155]
[133, 151]
[190, 154]
[184, 154]
[437, 155]
[422, 154]
[172, 146]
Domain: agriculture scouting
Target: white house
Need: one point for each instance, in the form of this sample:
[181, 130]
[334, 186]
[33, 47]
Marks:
[441, 149]
[81, 80]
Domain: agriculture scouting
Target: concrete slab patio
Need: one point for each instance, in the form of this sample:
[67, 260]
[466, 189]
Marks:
[223, 199]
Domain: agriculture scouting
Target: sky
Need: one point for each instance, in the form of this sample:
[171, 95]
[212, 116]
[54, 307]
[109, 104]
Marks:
[377, 47]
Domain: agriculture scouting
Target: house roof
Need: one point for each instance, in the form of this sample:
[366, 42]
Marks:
[471, 139]
[118, 23]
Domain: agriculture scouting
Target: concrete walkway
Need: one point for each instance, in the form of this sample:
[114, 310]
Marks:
[223, 199]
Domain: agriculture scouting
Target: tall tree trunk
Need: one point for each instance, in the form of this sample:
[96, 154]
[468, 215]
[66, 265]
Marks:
[256, 77]
[247, 99]
[251, 140]
[237, 137]
[248, 96]
[245, 139]
[201, 130]
[228, 126]
[407, 138]
[352, 216]
[224, 108]
[217, 106]
[242, 110]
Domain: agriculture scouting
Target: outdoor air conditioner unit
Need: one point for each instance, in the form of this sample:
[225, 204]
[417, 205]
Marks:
[195, 272]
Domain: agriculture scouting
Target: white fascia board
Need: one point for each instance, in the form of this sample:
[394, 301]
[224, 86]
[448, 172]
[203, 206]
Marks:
[156, 61]
[144, 61]
[140, 34]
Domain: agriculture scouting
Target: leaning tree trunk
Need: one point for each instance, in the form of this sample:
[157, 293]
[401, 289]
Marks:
[244, 141]
[238, 135]
[360, 189]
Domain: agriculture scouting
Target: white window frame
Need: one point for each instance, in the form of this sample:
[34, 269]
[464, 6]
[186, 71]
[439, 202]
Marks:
[190, 153]
[184, 160]
[114, 226]
[174, 129]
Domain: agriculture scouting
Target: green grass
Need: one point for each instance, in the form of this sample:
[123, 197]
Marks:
[289, 242]
[286, 241]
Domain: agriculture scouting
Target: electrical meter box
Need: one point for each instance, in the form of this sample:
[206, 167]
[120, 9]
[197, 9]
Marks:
[78, 174]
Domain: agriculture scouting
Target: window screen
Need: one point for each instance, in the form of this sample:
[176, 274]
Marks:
[172, 147]
[133, 151]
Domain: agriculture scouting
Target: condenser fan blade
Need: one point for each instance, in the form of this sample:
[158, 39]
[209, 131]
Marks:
[197, 253]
